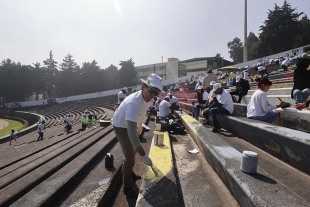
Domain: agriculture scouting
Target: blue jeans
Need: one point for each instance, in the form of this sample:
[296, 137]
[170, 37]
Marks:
[270, 117]
[301, 96]
[198, 107]
[216, 111]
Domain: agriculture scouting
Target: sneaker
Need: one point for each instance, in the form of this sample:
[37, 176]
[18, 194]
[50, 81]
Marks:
[214, 129]
[135, 177]
[130, 193]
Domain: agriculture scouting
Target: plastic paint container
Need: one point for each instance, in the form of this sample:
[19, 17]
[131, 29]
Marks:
[158, 138]
[249, 162]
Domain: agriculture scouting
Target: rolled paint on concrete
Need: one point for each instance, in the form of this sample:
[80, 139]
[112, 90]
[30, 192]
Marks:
[160, 190]
[246, 189]
[289, 145]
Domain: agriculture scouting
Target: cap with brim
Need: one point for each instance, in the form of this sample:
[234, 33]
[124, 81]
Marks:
[212, 83]
[168, 94]
[167, 97]
[216, 86]
[154, 82]
[199, 87]
[238, 78]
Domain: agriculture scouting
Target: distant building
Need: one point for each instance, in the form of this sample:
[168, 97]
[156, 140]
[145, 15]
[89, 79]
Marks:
[196, 65]
[175, 68]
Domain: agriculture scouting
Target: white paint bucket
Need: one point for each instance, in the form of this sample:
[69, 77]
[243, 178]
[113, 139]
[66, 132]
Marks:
[249, 162]
[158, 138]
[158, 127]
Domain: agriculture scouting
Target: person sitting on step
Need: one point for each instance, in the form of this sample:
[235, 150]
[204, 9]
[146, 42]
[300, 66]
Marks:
[165, 108]
[301, 88]
[259, 107]
[242, 87]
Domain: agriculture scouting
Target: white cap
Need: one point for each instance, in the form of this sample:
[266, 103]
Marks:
[216, 86]
[199, 87]
[168, 94]
[238, 79]
[125, 89]
[167, 97]
[212, 83]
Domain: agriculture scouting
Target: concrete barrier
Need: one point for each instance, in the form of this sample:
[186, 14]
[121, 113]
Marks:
[225, 160]
[289, 145]
[160, 190]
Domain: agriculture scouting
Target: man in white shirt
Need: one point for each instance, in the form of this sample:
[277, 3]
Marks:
[165, 107]
[207, 80]
[223, 105]
[285, 64]
[174, 102]
[246, 74]
[127, 124]
[262, 70]
[68, 126]
[40, 130]
[121, 95]
[259, 107]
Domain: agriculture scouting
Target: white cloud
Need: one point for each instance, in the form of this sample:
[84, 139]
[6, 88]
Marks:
[118, 8]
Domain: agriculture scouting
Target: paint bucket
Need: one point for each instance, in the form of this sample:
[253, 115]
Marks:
[158, 138]
[109, 161]
[158, 127]
[249, 162]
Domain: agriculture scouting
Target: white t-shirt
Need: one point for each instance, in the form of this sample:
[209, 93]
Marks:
[261, 68]
[226, 99]
[259, 105]
[211, 95]
[285, 62]
[120, 95]
[164, 108]
[40, 127]
[205, 95]
[174, 100]
[245, 75]
[133, 108]
[157, 104]
[68, 120]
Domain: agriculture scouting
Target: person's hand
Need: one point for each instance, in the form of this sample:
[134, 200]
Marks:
[282, 103]
[300, 106]
[139, 129]
[147, 160]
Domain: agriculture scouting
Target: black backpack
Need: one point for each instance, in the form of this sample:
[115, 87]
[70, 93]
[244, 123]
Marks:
[177, 127]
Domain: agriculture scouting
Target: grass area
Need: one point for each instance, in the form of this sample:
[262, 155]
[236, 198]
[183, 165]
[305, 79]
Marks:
[12, 124]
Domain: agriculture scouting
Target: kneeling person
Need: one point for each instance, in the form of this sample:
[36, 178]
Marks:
[165, 107]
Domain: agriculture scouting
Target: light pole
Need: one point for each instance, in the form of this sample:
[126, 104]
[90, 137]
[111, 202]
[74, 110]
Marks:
[245, 52]
[222, 61]
[162, 66]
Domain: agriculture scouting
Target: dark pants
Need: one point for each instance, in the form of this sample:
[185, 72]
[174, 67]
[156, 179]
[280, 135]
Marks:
[238, 93]
[83, 127]
[284, 67]
[263, 72]
[68, 128]
[198, 108]
[40, 136]
[175, 106]
[216, 111]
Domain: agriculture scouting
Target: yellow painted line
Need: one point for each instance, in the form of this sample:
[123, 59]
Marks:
[162, 162]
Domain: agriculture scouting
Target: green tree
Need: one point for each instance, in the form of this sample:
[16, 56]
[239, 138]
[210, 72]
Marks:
[37, 76]
[70, 71]
[49, 76]
[111, 77]
[236, 50]
[218, 55]
[252, 39]
[127, 73]
[303, 38]
[91, 77]
[280, 28]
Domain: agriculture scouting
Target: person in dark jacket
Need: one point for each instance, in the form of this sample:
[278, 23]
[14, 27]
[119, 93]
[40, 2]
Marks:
[242, 87]
[301, 88]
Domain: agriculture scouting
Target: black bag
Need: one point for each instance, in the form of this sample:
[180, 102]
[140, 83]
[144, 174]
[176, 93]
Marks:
[177, 127]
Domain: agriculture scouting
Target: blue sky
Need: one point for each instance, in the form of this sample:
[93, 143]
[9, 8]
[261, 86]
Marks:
[113, 30]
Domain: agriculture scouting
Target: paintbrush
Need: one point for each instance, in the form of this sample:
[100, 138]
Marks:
[154, 171]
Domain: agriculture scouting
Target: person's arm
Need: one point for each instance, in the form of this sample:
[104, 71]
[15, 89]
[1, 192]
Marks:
[134, 139]
[265, 104]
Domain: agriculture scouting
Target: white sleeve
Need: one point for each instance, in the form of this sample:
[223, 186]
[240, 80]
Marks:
[205, 96]
[265, 104]
[132, 112]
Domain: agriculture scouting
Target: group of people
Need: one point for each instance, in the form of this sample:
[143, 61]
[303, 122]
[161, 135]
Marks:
[88, 120]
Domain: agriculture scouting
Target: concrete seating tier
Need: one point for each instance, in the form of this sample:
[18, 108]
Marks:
[275, 184]
[289, 145]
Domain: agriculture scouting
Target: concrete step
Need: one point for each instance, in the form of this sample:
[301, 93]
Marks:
[262, 189]
[272, 99]
[200, 185]
[275, 91]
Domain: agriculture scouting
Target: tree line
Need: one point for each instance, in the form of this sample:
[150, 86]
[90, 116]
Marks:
[52, 79]
[285, 28]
